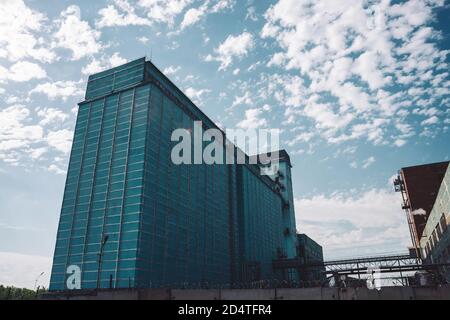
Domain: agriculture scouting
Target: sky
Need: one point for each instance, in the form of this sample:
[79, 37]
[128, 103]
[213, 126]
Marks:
[359, 89]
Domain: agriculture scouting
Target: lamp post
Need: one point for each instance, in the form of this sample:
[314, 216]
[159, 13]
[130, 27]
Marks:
[100, 257]
[37, 279]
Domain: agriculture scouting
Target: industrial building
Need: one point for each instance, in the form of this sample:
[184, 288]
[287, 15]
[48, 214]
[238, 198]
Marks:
[419, 186]
[435, 240]
[310, 253]
[426, 199]
[132, 218]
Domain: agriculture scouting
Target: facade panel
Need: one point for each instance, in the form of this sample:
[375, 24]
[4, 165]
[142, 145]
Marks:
[261, 224]
[421, 185]
[435, 241]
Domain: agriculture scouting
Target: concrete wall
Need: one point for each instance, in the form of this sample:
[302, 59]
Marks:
[387, 293]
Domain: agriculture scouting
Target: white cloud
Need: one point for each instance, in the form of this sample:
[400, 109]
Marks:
[143, 40]
[302, 137]
[22, 71]
[37, 153]
[233, 47]
[196, 95]
[116, 60]
[55, 169]
[59, 89]
[192, 16]
[15, 132]
[22, 270]
[367, 66]
[404, 128]
[163, 11]
[190, 78]
[240, 100]
[254, 66]
[23, 137]
[352, 52]
[368, 162]
[104, 63]
[76, 35]
[276, 60]
[51, 116]
[120, 14]
[171, 70]
[251, 14]
[221, 5]
[366, 223]
[253, 119]
[61, 140]
[430, 121]
[399, 142]
[19, 26]
[266, 107]
[325, 117]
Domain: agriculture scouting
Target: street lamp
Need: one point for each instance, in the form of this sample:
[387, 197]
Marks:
[100, 257]
[37, 279]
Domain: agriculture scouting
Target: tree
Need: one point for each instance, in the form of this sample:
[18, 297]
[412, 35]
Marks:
[13, 293]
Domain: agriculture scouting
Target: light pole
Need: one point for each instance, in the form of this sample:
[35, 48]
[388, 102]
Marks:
[100, 257]
[37, 279]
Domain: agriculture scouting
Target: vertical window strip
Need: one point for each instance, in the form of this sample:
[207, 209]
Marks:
[124, 188]
[152, 262]
[78, 188]
[92, 190]
[140, 251]
[108, 190]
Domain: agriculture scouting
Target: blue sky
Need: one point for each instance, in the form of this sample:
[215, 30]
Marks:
[358, 88]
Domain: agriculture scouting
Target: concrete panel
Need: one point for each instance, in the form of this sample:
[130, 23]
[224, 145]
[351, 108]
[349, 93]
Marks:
[429, 293]
[155, 294]
[444, 292]
[347, 294]
[78, 298]
[330, 294]
[386, 293]
[117, 295]
[365, 294]
[407, 293]
[392, 293]
[248, 294]
[299, 294]
[195, 294]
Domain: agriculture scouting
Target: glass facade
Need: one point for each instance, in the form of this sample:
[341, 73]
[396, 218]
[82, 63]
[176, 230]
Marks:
[310, 252]
[132, 218]
[260, 221]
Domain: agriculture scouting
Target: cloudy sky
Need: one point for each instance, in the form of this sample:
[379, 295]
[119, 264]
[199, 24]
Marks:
[359, 89]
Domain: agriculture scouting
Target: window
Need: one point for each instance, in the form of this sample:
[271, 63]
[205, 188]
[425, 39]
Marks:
[438, 231]
[435, 239]
[443, 223]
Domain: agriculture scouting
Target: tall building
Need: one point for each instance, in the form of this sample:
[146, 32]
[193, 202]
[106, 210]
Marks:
[130, 217]
[419, 186]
